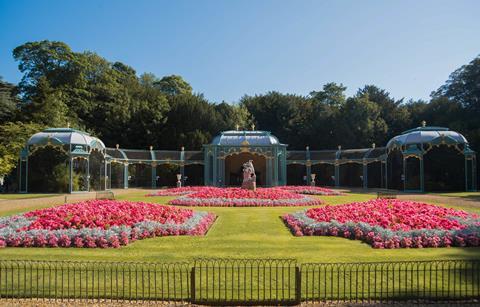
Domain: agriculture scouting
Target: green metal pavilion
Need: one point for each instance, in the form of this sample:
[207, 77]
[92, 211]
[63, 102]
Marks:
[418, 160]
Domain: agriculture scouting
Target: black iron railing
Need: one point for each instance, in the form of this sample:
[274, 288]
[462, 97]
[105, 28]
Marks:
[241, 281]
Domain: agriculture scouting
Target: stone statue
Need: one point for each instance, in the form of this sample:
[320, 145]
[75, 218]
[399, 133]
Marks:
[249, 177]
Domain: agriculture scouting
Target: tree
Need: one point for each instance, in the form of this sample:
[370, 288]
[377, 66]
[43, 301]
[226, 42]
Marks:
[42, 59]
[285, 115]
[173, 85]
[48, 107]
[333, 94]
[359, 123]
[7, 101]
[393, 112]
[463, 86]
[13, 137]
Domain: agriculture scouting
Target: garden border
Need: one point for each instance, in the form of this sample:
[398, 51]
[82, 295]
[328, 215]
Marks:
[222, 281]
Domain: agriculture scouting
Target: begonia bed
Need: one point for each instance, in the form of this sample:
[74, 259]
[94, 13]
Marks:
[237, 197]
[100, 223]
[385, 223]
[310, 190]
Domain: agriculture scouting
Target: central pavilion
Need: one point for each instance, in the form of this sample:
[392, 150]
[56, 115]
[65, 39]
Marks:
[227, 152]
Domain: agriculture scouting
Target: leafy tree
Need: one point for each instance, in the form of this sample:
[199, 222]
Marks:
[173, 85]
[13, 137]
[463, 86]
[7, 101]
[48, 107]
[191, 122]
[393, 112]
[333, 94]
[359, 123]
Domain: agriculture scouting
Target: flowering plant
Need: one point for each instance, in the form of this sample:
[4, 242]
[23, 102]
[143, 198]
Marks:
[386, 223]
[310, 190]
[236, 197]
[176, 191]
[100, 223]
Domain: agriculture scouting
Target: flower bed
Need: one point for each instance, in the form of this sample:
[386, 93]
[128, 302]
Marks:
[390, 224]
[176, 191]
[236, 197]
[100, 223]
[309, 190]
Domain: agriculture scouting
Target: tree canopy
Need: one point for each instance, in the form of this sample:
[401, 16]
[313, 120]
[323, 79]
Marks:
[110, 100]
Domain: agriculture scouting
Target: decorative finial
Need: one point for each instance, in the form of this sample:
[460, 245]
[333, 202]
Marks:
[373, 145]
[339, 147]
[237, 127]
[253, 127]
[183, 148]
[307, 147]
[424, 123]
[118, 146]
[151, 147]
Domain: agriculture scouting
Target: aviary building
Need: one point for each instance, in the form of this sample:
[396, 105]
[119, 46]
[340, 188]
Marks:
[418, 160]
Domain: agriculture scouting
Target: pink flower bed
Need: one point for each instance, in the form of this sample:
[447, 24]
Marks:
[236, 197]
[176, 191]
[390, 224]
[100, 223]
[310, 190]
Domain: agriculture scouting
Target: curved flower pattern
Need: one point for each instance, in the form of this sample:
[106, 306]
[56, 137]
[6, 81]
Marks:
[390, 224]
[100, 223]
[309, 190]
[236, 197]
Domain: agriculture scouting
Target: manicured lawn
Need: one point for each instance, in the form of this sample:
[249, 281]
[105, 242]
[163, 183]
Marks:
[245, 232]
[24, 196]
[467, 195]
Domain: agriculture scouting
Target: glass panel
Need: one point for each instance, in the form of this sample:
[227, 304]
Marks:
[193, 175]
[108, 177]
[374, 175]
[412, 173]
[117, 175]
[296, 174]
[80, 174]
[140, 175]
[23, 174]
[97, 171]
[48, 171]
[469, 174]
[167, 175]
[325, 174]
[351, 175]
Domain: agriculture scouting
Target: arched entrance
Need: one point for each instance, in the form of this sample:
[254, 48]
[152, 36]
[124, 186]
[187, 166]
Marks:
[444, 169]
[234, 166]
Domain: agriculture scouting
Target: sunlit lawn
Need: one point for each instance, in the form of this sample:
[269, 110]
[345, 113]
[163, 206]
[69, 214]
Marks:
[246, 232]
[24, 196]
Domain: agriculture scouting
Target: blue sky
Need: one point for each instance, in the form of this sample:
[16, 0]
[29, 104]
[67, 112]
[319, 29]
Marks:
[226, 49]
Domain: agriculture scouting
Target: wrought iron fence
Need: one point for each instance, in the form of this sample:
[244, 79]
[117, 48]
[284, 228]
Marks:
[391, 281]
[94, 280]
[241, 281]
[245, 281]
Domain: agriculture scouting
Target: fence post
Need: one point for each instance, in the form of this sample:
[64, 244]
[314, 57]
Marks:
[192, 284]
[298, 285]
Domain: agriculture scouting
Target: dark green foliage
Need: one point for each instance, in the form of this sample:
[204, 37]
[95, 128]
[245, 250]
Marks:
[61, 86]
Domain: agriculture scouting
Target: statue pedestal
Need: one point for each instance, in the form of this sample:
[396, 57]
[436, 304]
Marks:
[249, 185]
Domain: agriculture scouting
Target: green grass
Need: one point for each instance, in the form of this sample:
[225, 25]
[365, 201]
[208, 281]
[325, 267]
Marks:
[245, 232]
[468, 195]
[24, 196]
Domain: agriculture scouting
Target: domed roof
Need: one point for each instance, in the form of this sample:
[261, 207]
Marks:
[431, 135]
[245, 138]
[65, 136]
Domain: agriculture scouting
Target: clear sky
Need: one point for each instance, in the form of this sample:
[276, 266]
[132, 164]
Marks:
[226, 49]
